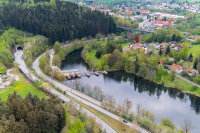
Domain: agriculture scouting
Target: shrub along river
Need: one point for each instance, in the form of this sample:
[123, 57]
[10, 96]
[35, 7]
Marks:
[161, 101]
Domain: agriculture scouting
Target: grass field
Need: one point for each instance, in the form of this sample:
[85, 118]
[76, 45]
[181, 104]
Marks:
[22, 88]
[195, 50]
[124, 45]
[179, 83]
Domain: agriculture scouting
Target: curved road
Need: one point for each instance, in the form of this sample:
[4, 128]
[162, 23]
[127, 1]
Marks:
[22, 66]
[82, 97]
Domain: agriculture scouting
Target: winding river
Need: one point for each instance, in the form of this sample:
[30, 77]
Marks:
[163, 102]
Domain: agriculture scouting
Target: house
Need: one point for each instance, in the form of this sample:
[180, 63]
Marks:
[172, 43]
[181, 61]
[171, 59]
[164, 44]
[177, 68]
[162, 24]
[156, 45]
[136, 46]
[144, 12]
[167, 25]
[161, 62]
[159, 23]
[128, 12]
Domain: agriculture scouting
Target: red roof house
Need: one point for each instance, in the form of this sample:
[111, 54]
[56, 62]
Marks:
[176, 67]
[144, 12]
[160, 22]
[138, 45]
[168, 24]
[164, 44]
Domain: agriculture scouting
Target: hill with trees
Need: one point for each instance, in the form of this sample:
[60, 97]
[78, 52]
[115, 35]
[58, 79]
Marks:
[33, 45]
[31, 115]
[59, 21]
[34, 115]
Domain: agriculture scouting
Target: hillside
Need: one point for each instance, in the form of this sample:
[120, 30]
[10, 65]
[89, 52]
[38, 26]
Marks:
[58, 21]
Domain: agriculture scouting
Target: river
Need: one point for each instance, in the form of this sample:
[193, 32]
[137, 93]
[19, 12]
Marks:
[161, 101]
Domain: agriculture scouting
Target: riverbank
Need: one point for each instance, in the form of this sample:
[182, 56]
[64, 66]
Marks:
[161, 101]
[102, 63]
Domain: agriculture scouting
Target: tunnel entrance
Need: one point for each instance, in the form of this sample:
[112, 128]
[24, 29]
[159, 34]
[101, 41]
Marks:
[20, 48]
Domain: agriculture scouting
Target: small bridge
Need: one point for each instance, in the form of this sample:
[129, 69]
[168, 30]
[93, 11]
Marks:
[136, 30]
[73, 73]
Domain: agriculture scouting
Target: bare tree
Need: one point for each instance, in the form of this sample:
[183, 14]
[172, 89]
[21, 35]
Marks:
[127, 105]
[187, 126]
[138, 109]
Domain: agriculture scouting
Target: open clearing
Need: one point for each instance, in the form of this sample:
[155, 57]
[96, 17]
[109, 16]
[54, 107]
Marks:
[22, 89]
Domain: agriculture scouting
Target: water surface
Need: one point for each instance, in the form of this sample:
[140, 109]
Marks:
[162, 101]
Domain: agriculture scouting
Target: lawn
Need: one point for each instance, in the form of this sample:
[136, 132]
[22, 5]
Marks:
[93, 57]
[195, 50]
[124, 45]
[22, 88]
[180, 84]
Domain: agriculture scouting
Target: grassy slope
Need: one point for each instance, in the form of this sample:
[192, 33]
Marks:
[22, 87]
[124, 45]
[178, 83]
[116, 125]
[195, 50]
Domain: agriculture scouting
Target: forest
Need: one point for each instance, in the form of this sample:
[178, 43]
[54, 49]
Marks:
[31, 115]
[59, 21]
[33, 46]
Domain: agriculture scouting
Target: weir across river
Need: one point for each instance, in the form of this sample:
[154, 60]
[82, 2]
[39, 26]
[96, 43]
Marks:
[74, 73]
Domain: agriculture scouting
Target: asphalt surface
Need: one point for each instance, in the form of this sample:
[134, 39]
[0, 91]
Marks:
[22, 66]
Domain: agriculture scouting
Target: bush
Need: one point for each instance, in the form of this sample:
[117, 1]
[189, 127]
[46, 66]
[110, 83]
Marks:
[193, 88]
[197, 79]
[146, 123]
[98, 54]
[172, 76]
[3, 69]
[184, 74]
[167, 122]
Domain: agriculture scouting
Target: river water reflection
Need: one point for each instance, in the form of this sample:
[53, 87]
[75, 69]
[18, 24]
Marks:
[161, 101]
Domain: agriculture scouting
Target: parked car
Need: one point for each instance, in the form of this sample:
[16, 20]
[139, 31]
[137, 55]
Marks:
[125, 121]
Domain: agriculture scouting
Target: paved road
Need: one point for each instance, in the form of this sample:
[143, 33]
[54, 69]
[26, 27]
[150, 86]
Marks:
[22, 66]
[71, 92]
[190, 40]
[141, 25]
[82, 97]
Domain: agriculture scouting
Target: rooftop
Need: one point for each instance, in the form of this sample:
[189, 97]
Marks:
[175, 66]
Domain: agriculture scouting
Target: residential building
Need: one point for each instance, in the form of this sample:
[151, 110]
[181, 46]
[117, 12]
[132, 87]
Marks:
[177, 68]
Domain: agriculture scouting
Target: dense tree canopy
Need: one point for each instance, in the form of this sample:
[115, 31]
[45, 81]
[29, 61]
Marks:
[64, 21]
[31, 115]
[166, 35]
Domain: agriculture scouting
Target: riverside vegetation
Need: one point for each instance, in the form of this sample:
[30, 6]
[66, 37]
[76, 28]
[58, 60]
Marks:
[145, 118]
[109, 55]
